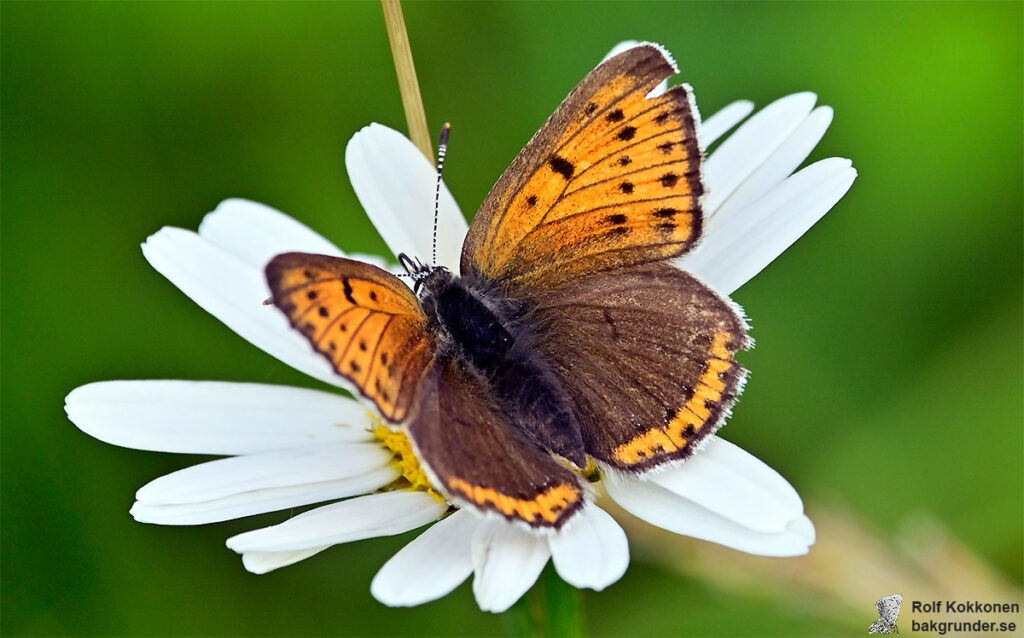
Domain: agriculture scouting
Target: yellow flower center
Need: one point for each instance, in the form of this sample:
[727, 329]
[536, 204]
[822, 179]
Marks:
[414, 478]
[408, 464]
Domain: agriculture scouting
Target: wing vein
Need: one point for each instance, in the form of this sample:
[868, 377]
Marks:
[344, 354]
[401, 378]
[623, 249]
[576, 177]
[543, 162]
[567, 218]
[374, 362]
[615, 177]
[628, 93]
[629, 146]
[334, 322]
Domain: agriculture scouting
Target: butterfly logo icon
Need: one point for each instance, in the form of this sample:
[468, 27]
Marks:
[566, 340]
[888, 612]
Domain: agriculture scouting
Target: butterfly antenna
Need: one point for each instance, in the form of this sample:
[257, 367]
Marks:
[442, 148]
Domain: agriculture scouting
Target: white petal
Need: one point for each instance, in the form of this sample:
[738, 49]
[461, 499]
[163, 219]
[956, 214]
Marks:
[429, 567]
[746, 149]
[395, 184]
[507, 561]
[263, 562]
[233, 291]
[718, 124]
[777, 167]
[804, 528]
[758, 234]
[591, 551]
[626, 45]
[285, 468]
[662, 508]
[378, 261]
[382, 514]
[255, 233]
[725, 479]
[259, 501]
[211, 417]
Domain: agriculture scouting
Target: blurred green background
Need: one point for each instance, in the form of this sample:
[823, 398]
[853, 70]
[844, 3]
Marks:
[887, 378]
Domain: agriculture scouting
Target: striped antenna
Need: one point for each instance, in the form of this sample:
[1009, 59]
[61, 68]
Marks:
[442, 149]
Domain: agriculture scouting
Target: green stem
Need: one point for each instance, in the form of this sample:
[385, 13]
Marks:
[553, 608]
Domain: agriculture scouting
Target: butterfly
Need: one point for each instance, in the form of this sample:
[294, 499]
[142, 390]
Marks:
[566, 339]
[888, 611]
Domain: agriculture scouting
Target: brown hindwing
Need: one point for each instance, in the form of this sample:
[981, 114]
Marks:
[646, 355]
[482, 460]
[611, 180]
[366, 322]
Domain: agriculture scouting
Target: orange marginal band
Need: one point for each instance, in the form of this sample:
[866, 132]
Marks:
[693, 415]
[549, 505]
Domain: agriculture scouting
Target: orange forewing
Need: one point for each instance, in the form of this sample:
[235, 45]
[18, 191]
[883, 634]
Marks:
[611, 180]
[363, 319]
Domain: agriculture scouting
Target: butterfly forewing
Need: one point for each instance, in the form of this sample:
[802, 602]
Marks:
[889, 607]
[611, 180]
[363, 319]
[478, 458]
[646, 355]
[562, 278]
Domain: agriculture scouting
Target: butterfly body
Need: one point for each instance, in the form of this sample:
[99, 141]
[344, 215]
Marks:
[567, 335]
[479, 325]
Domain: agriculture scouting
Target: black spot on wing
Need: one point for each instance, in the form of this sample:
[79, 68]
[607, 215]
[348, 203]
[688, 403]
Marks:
[615, 116]
[668, 180]
[348, 290]
[561, 166]
[627, 133]
[617, 218]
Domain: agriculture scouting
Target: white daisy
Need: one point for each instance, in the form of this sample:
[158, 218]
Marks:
[290, 447]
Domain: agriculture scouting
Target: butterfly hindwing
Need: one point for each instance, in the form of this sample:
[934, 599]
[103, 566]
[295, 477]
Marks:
[889, 607]
[480, 459]
[564, 314]
[646, 355]
[366, 322]
[612, 179]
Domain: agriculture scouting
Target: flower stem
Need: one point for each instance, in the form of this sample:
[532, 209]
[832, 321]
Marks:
[415, 116]
[553, 608]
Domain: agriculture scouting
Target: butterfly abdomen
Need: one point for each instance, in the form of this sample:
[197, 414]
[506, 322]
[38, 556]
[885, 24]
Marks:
[483, 327]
